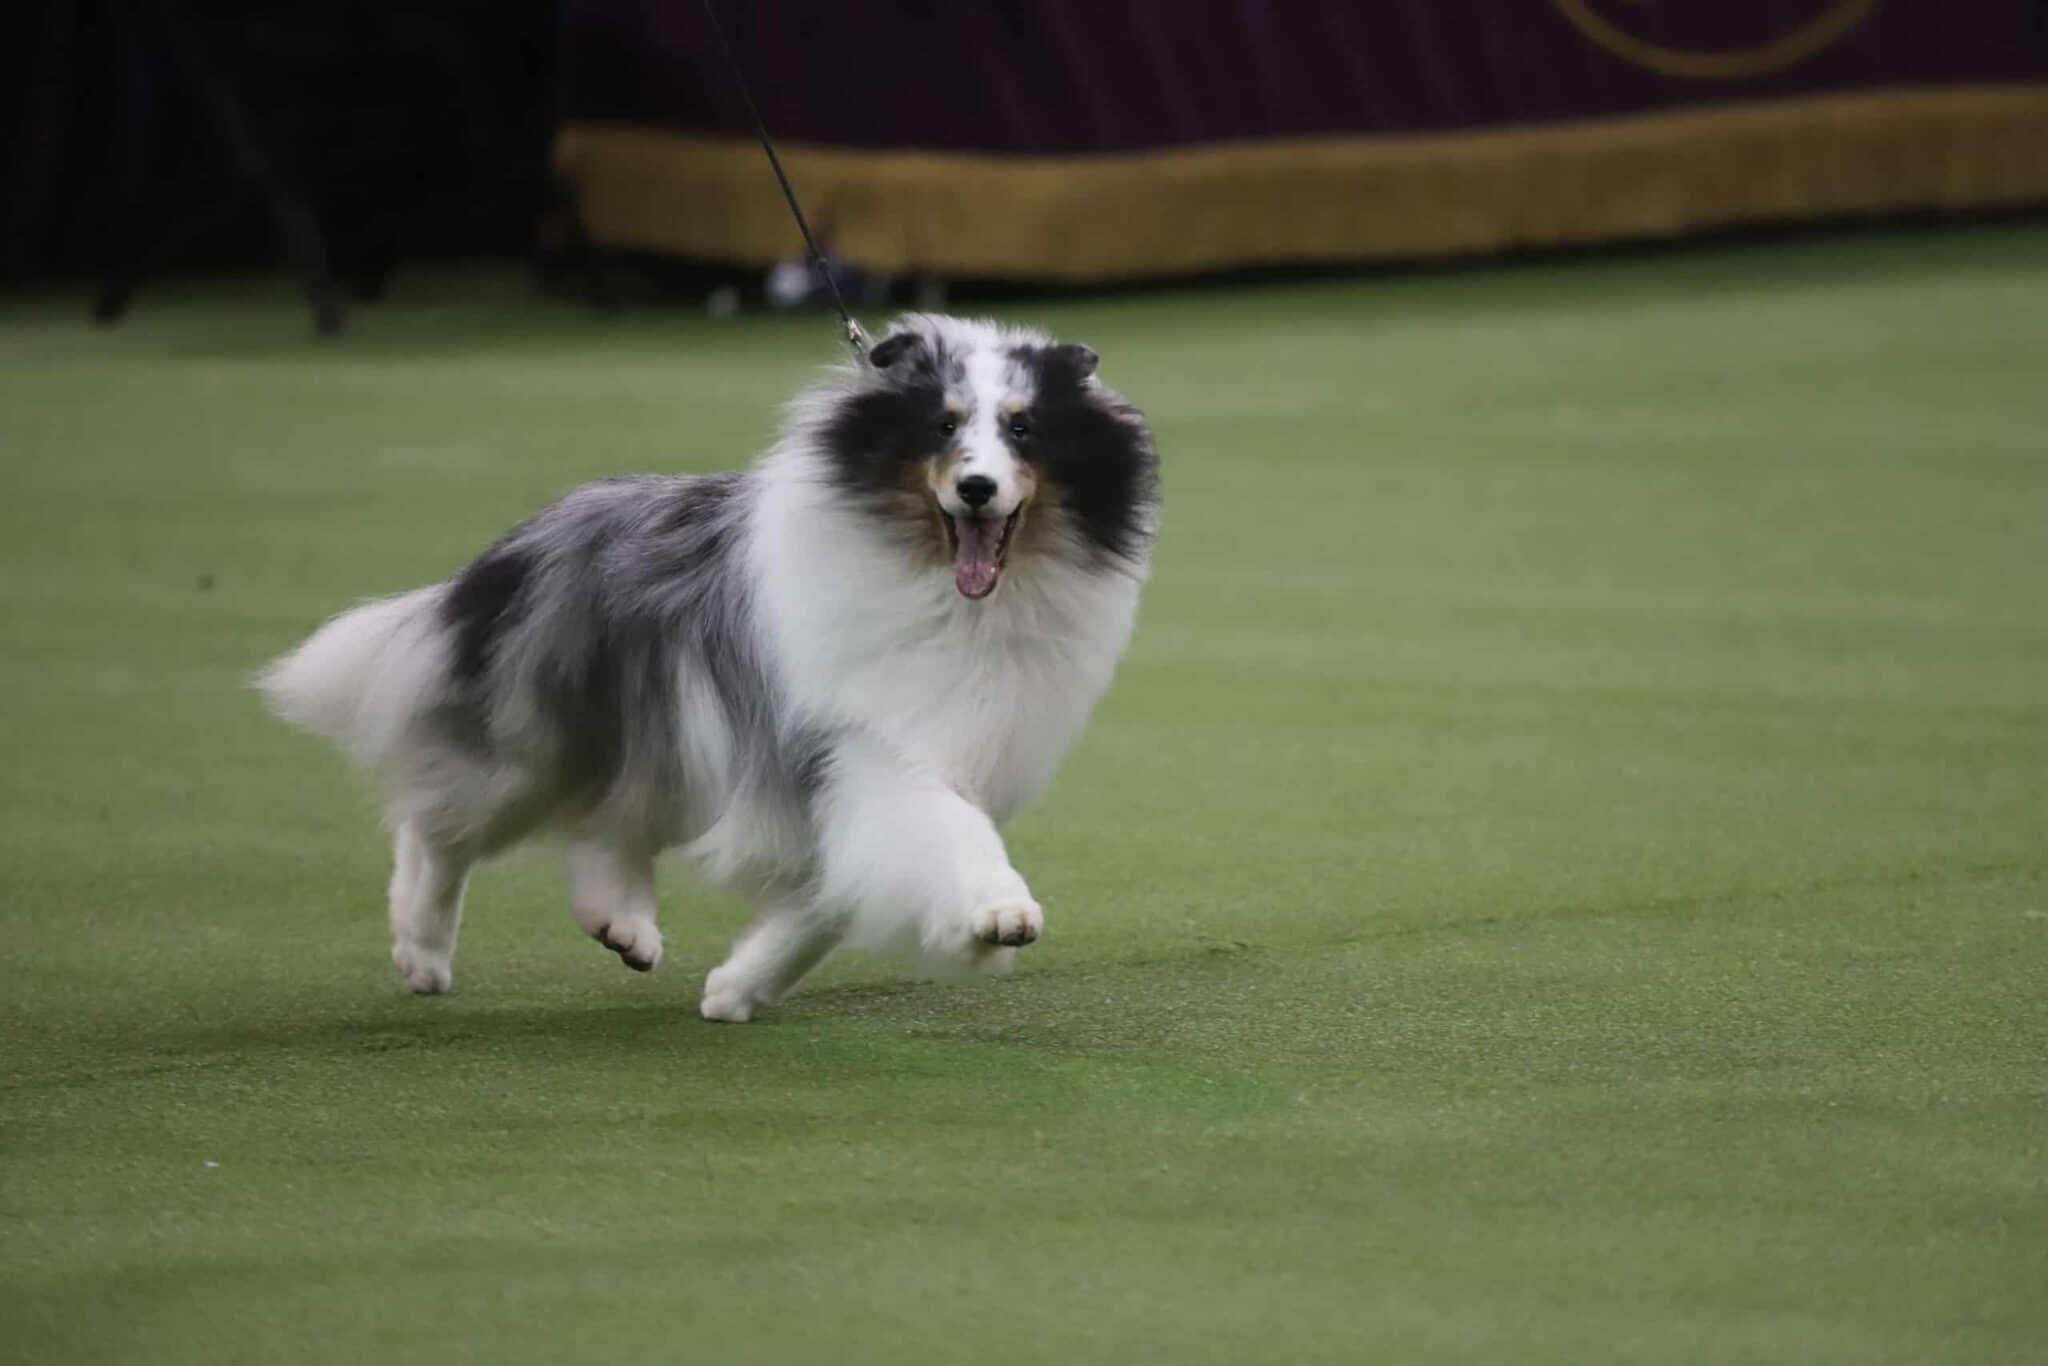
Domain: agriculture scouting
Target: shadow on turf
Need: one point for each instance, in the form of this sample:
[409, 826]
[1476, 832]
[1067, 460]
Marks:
[1611, 985]
[1100, 1009]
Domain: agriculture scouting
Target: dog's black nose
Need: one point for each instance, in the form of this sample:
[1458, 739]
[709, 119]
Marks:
[976, 489]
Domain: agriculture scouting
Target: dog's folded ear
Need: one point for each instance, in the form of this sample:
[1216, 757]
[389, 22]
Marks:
[893, 348]
[1077, 360]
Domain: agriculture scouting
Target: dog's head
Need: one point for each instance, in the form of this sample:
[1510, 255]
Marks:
[986, 447]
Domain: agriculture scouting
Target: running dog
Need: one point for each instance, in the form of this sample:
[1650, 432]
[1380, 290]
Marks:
[826, 680]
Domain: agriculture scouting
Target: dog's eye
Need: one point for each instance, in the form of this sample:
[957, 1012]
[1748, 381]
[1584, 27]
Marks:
[948, 426]
[1019, 428]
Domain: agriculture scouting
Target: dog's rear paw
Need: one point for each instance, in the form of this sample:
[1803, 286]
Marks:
[636, 942]
[1009, 923]
[425, 973]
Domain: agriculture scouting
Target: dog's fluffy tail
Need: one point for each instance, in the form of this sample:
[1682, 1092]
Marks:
[367, 677]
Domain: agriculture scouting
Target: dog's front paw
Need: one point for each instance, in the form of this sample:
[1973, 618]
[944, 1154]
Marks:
[426, 973]
[634, 939]
[726, 999]
[1008, 923]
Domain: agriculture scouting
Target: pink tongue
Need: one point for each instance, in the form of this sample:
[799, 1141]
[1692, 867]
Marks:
[974, 560]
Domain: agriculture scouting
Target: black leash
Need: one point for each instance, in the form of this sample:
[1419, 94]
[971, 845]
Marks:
[856, 335]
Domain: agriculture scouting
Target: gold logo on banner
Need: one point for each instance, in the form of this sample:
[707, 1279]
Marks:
[1724, 64]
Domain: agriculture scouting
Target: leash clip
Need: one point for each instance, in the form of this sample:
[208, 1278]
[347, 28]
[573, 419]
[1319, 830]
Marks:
[855, 336]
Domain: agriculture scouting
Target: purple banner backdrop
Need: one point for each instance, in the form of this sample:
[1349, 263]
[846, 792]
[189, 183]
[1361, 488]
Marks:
[1066, 77]
[1002, 138]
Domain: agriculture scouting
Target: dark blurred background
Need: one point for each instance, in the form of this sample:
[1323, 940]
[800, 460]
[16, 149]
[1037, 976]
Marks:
[401, 129]
[1061, 142]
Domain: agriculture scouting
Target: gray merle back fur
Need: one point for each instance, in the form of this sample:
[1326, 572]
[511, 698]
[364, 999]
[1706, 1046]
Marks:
[571, 636]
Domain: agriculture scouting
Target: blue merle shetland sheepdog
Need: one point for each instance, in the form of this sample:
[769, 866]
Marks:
[827, 680]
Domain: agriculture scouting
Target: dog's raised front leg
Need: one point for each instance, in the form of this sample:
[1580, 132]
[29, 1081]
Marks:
[905, 854]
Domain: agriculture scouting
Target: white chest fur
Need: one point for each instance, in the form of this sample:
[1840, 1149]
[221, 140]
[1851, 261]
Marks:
[987, 695]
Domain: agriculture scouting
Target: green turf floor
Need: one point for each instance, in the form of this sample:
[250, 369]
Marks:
[1562, 876]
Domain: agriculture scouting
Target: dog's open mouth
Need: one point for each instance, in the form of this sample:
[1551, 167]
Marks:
[980, 545]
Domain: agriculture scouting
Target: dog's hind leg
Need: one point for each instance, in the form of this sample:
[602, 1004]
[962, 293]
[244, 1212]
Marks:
[611, 894]
[427, 882]
[769, 958]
